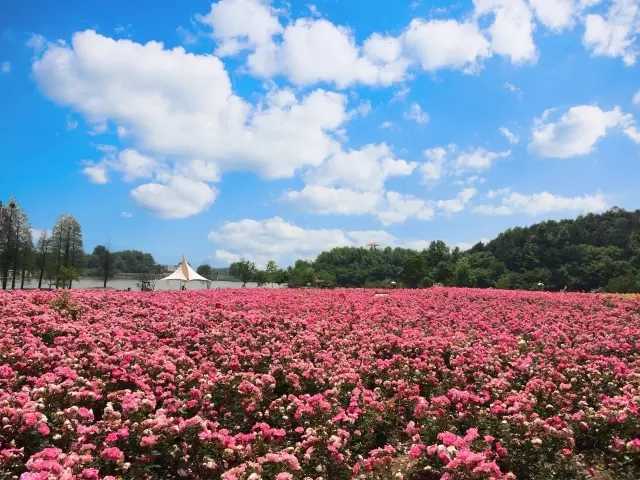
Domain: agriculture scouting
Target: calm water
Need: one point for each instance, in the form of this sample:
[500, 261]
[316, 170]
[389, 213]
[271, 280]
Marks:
[123, 284]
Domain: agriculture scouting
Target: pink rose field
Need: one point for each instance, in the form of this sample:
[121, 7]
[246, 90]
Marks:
[318, 384]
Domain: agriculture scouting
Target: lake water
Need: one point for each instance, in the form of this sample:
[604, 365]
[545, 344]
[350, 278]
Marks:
[123, 284]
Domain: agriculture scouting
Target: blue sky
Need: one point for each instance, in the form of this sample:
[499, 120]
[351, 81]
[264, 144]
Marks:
[255, 129]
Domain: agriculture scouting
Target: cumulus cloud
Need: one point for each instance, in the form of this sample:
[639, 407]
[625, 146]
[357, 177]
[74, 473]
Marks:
[452, 160]
[282, 241]
[509, 135]
[576, 132]
[275, 238]
[541, 203]
[179, 197]
[388, 207]
[97, 173]
[614, 34]
[416, 114]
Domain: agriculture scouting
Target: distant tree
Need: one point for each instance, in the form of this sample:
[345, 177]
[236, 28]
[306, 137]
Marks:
[246, 271]
[105, 263]
[272, 269]
[42, 256]
[413, 270]
[281, 276]
[463, 275]
[67, 247]
[261, 277]
[206, 271]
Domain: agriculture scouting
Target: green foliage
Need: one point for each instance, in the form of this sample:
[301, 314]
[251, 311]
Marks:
[413, 270]
[243, 270]
[261, 277]
[124, 261]
[589, 253]
[67, 275]
[206, 271]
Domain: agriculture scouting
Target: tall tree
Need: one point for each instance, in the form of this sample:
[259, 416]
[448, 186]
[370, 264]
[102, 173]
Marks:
[104, 261]
[272, 269]
[27, 260]
[7, 238]
[42, 255]
[21, 242]
[67, 248]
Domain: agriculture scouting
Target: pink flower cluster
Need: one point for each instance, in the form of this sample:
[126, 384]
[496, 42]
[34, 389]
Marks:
[293, 385]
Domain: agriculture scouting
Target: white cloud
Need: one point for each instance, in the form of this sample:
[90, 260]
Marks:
[499, 192]
[477, 159]
[636, 98]
[388, 207]
[126, 215]
[312, 50]
[542, 203]
[316, 50]
[174, 103]
[434, 168]
[133, 165]
[71, 123]
[366, 169]
[180, 197]
[633, 133]
[397, 208]
[509, 135]
[324, 200]
[241, 24]
[37, 43]
[512, 28]
[386, 124]
[446, 44]
[171, 105]
[277, 239]
[453, 161]
[97, 173]
[558, 15]
[512, 88]
[614, 35]
[458, 203]
[282, 241]
[576, 132]
[416, 114]
[5, 67]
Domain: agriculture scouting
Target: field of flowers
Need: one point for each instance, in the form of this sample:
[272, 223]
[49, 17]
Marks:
[286, 384]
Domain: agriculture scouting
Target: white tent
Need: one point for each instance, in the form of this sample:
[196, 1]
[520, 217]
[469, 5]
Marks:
[185, 273]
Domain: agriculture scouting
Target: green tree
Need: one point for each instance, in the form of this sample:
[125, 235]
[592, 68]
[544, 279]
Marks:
[261, 277]
[67, 247]
[463, 274]
[42, 256]
[281, 276]
[104, 262]
[206, 271]
[272, 269]
[413, 270]
[67, 275]
[246, 271]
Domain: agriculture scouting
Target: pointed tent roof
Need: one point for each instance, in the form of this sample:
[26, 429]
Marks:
[185, 273]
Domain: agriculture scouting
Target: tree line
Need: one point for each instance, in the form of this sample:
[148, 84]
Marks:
[594, 252]
[56, 258]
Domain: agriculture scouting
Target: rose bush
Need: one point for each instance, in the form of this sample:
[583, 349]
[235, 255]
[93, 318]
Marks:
[285, 384]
